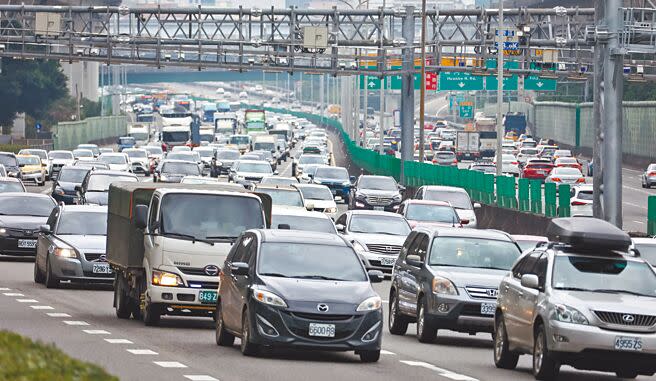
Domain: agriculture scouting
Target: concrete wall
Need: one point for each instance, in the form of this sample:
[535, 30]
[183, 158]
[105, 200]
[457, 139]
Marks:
[68, 135]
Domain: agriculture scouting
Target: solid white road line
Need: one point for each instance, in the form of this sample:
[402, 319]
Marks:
[58, 314]
[43, 307]
[119, 341]
[384, 352]
[200, 377]
[142, 352]
[639, 222]
[12, 294]
[443, 372]
[169, 364]
[5, 289]
[75, 322]
[96, 332]
[27, 301]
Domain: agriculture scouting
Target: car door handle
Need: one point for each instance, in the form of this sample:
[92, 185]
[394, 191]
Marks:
[520, 293]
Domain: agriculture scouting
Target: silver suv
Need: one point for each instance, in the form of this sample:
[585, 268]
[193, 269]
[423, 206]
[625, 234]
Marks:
[581, 301]
[447, 278]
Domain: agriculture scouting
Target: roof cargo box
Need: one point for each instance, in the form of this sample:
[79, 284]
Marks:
[588, 233]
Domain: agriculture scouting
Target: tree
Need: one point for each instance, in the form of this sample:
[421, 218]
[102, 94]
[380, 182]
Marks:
[29, 86]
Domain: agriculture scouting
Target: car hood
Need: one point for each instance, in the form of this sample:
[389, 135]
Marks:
[377, 193]
[118, 167]
[468, 276]
[433, 224]
[305, 294]
[62, 161]
[382, 239]
[321, 203]
[325, 180]
[99, 198]
[596, 301]
[253, 174]
[22, 222]
[91, 243]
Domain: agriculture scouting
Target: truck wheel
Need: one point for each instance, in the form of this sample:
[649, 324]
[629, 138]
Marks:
[121, 301]
[51, 280]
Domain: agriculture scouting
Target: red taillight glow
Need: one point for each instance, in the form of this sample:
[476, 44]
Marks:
[556, 179]
[651, 174]
[581, 180]
[578, 203]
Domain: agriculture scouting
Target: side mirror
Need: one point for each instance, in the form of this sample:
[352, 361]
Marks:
[309, 206]
[310, 176]
[401, 188]
[78, 188]
[239, 268]
[284, 226]
[530, 281]
[477, 205]
[413, 260]
[275, 173]
[141, 216]
[352, 179]
[340, 228]
[45, 229]
[375, 276]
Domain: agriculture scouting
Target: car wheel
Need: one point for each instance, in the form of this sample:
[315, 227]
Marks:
[545, 367]
[626, 374]
[247, 347]
[51, 280]
[398, 324]
[426, 330]
[503, 357]
[150, 313]
[38, 275]
[223, 337]
[369, 356]
[122, 301]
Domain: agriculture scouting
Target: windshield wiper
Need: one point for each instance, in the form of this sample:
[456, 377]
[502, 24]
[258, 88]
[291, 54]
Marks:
[572, 289]
[223, 237]
[490, 268]
[317, 277]
[190, 237]
[279, 275]
[611, 291]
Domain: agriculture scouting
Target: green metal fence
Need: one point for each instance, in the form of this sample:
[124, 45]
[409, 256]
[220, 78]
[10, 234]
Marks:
[651, 215]
[67, 135]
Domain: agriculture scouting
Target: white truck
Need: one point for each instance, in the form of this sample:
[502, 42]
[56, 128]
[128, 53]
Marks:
[166, 243]
[140, 132]
[468, 145]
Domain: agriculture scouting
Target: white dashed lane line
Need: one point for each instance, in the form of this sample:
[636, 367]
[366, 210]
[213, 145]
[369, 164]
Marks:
[169, 364]
[12, 294]
[27, 301]
[75, 322]
[58, 314]
[42, 307]
[119, 341]
[142, 352]
[96, 332]
[384, 352]
[443, 372]
[200, 377]
[5, 289]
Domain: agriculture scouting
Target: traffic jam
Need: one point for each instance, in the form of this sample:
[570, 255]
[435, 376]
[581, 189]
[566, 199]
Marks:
[254, 220]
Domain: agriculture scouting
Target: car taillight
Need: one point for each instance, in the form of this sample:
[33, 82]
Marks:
[164, 147]
[651, 174]
[578, 203]
[455, 161]
[514, 163]
[434, 161]
[581, 180]
[556, 179]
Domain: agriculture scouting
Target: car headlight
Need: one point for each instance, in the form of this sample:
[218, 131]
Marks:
[163, 177]
[370, 304]
[219, 163]
[268, 297]
[65, 252]
[59, 191]
[3, 231]
[567, 314]
[359, 246]
[443, 286]
[163, 278]
[346, 184]
[330, 210]
[397, 197]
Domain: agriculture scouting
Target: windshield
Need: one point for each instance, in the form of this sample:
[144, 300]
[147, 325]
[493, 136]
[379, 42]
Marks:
[126, 140]
[459, 200]
[432, 213]
[567, 160]
[377, 183]
[227, 155]
[304, 260]
[101, 182]
[239, 140]
[11, 186]
[205, 152]
[184, 156]
[296, 222]
[607, 274]
[26, 206]
[316, 193]
[529, 151]
[82, 153]
[8, 160]
[647, 252]
[283, 197]
[82, 223]
[187, 168]
[255, 167]
[473, 252]
[28, 160]
[153, 150]
[206, 216]
[264, 146]
[335, 173]
[306, 159]
[139, 135]
[445, 155]
[586, 195]
[113, 159]
[58, 155]
[175, 136]
[70, 175]
[137, 154]
[41, 154]
[379, 225]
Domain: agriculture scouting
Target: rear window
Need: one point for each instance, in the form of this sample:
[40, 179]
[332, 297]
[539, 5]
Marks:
[11, 186]
[306, 223]
[8, 160]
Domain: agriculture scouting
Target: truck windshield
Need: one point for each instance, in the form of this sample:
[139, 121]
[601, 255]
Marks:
[210, 216]
[264, 146]
[175, 136]
[239, 140]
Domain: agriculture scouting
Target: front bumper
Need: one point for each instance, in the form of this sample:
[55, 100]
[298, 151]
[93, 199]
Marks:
[363, 204]
[376, 261]
[36, 176]
[592, 348]
[292, 329]
[78, 270]
[9, 245]
[462, 312]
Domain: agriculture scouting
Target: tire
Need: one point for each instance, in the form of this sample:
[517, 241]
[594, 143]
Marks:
[122, 301]
[398, 324]
[223, 337]
[247, 348]
[369, 356]
[51, 280]
[38, 275]
[545, 367]
[503, 357]
[626, 374]
[426, 330]
[150, 313]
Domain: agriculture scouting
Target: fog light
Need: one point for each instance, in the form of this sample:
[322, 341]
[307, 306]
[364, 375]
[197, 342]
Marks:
[371, 334]
[265, 328]
[561, 339]
[443, 307]
[167, 296]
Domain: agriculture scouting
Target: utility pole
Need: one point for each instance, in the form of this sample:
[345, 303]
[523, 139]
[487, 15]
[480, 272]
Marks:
[383, 85]
[356, 111]
[407, 89]
[500, 40]
[597, 112]
[422, 88]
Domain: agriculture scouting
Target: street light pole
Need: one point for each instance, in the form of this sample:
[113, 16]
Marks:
[422, 88]
[500, 39]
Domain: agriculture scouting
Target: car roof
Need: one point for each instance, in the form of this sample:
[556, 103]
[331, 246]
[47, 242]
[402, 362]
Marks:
[9, 180]
[303, 185]
[525, 237]
[444, 188]
[277, 210]
[112, 172]
[254, 161]
[25, 194]
[276, 187]
[301, 236]
[363, 212]
[84, 208]
[426, 202]
[465, 233]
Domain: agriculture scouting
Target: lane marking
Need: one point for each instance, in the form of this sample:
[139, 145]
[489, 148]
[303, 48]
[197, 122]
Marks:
[27, 301]
[43, 307]
[443, 372]
[142, 352]
[386, 301]
[119, 341]
[75, 322]
[5, 289]
[193, 377]
[639, 222]
[169, 364]
[96, 332]
[12, 294]
[384, 352]
[58, 314]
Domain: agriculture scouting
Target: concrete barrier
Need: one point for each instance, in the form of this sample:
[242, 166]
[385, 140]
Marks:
[99, 130]
[511, 221]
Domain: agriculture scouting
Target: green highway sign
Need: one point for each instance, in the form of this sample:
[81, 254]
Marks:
[459, 81]
[369, 82]
[509, 83]
[397, 82]
[536, 83]
[466, 111]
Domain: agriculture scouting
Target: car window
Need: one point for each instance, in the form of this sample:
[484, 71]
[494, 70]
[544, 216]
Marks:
[153, 210]
[341, 220]
[52, 219]
[82, 223]
[525, 266]
[540, 269]
[473, 252]
[422, 246]
[249, 251]
[412, 246]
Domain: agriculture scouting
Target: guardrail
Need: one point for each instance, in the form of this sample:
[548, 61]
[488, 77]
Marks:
[651, 215]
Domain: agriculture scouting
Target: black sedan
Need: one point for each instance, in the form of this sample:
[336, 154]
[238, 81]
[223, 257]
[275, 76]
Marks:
[278, 290]
[71, 246]
[21, 214]
[63, 188]
[376, 193]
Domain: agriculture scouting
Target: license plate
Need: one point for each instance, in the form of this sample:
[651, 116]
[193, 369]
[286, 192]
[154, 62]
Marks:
[379, 208]
[322, 330]
[207, 297]
[387, 261]
[628, 343]
[101, 268]
[488, 308]
[26, 243]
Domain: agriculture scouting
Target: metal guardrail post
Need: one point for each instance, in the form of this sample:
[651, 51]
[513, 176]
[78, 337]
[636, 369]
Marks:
[550, 207]
[536, 196]
[651, 215]
[564, 208]
[523, 194]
